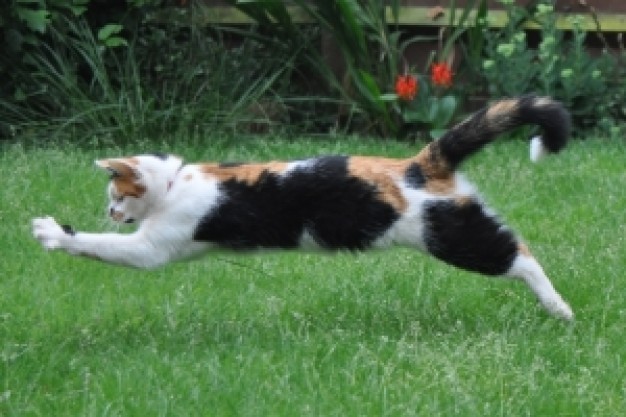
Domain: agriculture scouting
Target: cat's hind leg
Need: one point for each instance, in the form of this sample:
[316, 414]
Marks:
[526, 268]
[463, 233]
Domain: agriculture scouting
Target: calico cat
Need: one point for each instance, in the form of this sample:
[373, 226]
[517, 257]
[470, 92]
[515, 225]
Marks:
[329, 202]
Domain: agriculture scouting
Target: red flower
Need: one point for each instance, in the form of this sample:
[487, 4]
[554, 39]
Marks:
[441, 74]
[406, 87]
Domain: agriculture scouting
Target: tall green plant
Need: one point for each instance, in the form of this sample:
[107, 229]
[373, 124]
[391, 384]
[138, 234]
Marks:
[370, 52]
[74, 83]
[84, 82]
[558, 66]
[371, 45]
[44, 40]
[431, 104]
[351, 26]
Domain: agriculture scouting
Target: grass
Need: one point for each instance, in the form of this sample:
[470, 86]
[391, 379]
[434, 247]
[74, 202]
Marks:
[285, 334]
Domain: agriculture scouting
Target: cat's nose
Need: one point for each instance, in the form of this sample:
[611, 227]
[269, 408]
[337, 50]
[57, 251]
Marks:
[118, 216]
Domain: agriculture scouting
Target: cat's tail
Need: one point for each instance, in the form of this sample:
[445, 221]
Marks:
[476, 131]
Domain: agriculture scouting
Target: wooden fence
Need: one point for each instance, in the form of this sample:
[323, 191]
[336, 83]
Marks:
[605, 15]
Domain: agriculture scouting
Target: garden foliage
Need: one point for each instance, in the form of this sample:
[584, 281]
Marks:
[559, 65]
[142, 67]
[372, 49]
[117, 71]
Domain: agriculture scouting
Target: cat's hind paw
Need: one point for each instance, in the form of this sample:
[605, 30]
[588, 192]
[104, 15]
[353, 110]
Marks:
[559, 308]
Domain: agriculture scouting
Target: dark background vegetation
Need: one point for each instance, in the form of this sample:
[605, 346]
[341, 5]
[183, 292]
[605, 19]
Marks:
[119, 70]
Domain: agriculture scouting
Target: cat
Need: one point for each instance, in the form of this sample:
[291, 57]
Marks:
[330, 202]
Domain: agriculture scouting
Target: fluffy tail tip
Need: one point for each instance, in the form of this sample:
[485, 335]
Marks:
[537, 149]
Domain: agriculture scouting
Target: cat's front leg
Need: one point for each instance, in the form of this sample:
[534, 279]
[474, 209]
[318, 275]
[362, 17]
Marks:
[50, 234]
[135, 249]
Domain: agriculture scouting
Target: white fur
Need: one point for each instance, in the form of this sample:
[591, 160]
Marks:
[177, 198]
[529, 270]
[167, 215]
[537, 149]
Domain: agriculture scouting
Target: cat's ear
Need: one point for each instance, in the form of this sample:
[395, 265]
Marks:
[119, 168]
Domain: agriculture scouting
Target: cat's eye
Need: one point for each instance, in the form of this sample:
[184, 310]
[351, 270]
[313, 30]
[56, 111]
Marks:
[119, 199]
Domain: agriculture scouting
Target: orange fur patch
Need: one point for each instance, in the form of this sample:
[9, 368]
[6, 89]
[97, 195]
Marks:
[463, 200]
[247, 173]
[128, 187]
[382, 173]
[125, 182]
[523, 249]
[502, 107]
[500, 113]
[439, 177]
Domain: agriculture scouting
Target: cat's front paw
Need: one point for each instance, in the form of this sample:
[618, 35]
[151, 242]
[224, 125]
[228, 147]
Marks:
[48, 232]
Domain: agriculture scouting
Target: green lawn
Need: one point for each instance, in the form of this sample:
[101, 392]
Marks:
[285, 334]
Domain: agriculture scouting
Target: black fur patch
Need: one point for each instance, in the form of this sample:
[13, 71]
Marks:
[68, 229]
[465, 236]
[414, 176]
[551, 116]
[339, 211]
[481, 128]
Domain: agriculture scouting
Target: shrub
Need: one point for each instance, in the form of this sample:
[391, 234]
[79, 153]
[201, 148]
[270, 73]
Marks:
[560, 66]
[84, 77]
[372, 47]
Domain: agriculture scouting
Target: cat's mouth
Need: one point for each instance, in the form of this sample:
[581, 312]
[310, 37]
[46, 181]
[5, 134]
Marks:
[118, 216]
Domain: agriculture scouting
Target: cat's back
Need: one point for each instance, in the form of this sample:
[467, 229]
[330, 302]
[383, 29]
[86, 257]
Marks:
[336, 202]
[328, 179]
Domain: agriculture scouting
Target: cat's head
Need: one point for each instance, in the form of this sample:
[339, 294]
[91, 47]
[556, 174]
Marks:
[138, 184]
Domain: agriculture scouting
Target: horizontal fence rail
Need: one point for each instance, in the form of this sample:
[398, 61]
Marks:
[430, 16]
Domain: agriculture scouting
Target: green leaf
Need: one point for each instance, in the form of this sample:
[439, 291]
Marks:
[442, 110]
[349, 11]
[76, 7]
[388, 97]
[115, 41]
[19, 95]
[109, 30]
[414, 116]
[366, 84]
[36, 20]
[76, 10]
[279, 12]
[458, 25]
